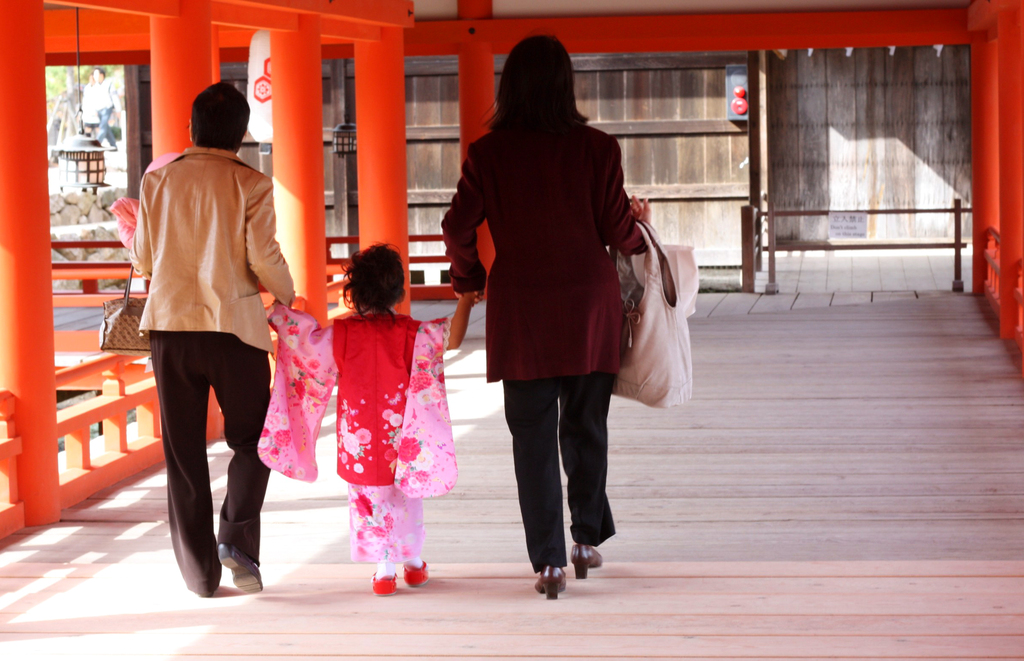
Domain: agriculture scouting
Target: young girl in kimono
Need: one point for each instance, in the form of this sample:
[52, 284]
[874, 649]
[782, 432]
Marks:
[373, 349]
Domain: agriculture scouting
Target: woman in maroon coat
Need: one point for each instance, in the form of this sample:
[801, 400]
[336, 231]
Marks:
[551, 189]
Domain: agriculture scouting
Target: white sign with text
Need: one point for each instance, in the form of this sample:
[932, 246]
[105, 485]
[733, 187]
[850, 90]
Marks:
[847, 225]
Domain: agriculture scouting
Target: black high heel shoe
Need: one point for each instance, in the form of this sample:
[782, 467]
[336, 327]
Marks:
[551, 581]
[583, 558]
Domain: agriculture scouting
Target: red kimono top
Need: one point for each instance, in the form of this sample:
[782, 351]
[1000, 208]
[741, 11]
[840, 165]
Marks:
[552, 203]
[374, 357]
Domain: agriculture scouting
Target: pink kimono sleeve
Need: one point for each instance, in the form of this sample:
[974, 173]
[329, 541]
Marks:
[304, 378]
[426, 452]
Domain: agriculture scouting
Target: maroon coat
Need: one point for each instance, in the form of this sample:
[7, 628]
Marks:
[552, 203]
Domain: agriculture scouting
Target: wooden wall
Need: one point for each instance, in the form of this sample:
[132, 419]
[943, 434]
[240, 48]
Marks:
[870, 131]
[668, 112]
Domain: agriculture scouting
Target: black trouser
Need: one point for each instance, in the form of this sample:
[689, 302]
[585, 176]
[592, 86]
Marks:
[186, 365]
[104, 131]
[570, 412]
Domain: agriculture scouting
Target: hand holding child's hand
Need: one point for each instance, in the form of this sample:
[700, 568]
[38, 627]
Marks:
[473, 296]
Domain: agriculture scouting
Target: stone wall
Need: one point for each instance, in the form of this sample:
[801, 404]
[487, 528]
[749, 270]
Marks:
[85, 216]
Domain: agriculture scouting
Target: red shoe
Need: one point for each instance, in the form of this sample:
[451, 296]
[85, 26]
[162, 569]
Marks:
[385, 587]
[417, 578]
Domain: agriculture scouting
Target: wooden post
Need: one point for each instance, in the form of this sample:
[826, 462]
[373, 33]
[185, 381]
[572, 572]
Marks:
[26, 296]
[180, 69]
[476, 98]
[133, 137]
[754, 128]
[984, 150]
[77, 452]
[958, 236]
[115, 437]
[340, 161]
[148, 417]
[1011, 168]
[747, 225]
[299, 159]
[9, 450]
[380, 139]
[772, 287]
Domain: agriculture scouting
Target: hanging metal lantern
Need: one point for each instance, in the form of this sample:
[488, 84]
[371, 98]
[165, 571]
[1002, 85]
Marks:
[81, 163]
[345, 138]
[80, 159]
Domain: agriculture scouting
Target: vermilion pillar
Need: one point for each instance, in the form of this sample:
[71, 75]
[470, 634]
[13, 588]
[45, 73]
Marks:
[476, 99]
[26, 298]
[214, 54]
[380, 141]
[299, 159]
[180, 70]
[1011, 168]
[985, 149]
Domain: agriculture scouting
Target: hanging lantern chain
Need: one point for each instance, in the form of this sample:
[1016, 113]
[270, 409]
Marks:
[81, 160]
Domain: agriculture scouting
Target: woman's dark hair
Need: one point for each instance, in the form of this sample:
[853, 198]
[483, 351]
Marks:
[101, 70]
[536, 90]
[375, 280]
[220, 117]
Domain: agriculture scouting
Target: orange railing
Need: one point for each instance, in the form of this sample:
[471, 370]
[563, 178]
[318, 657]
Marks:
[12, 512]
[90, 273]
[992, 277]
[123, 386]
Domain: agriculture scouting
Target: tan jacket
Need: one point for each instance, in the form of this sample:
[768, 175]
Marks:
[206, 236]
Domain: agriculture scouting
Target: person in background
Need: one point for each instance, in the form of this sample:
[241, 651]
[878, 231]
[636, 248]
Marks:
[206, 240]
[99, 103]
[551, 189]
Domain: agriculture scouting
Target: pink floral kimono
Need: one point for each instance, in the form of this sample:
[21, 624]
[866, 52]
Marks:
[395, 443]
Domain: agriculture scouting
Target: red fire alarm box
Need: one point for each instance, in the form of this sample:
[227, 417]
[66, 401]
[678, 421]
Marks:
[738, 105]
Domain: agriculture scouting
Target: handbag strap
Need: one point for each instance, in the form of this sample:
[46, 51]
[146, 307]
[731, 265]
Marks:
[668, 282]
[128, 287]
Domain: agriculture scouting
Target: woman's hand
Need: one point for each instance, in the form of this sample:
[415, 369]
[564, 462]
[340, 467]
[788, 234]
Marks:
[473, 296]
[641, 210]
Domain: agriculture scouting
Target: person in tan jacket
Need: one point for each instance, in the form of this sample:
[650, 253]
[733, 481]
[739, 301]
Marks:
[206, 240]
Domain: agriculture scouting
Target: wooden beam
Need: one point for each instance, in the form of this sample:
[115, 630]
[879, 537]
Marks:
[348, 31]
[648, 127]
[165, 8]
[393, 13]
[256, 18]
[100, 30]
[700, 191]
[982, 15]
[710, 32]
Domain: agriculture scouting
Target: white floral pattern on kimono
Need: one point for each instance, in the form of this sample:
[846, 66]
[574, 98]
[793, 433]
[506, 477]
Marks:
[304, 377]
[384, 524]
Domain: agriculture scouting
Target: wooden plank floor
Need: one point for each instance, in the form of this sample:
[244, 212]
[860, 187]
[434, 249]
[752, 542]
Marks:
[863, 270]
[847, 483]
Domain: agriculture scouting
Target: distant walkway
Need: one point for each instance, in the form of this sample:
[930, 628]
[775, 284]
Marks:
[865, 271]
[847, 483]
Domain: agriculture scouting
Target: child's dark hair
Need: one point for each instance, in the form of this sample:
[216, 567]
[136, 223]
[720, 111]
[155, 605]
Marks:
[375, 280]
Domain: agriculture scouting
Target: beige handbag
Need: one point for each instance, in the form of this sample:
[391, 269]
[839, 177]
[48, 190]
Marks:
[120, 332]
[659, 291]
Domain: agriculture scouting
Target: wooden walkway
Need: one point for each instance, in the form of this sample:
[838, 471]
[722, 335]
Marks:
[848, 483]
